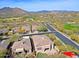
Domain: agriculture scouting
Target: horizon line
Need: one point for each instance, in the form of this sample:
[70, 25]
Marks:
[42, 10]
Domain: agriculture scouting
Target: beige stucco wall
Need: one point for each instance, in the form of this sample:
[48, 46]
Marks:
[20, 50]
[43, 48]
[29, 51]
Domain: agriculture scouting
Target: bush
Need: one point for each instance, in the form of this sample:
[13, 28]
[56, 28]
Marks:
[41, 55]
[42, 29]
[70, 48]
[2, 52]
[1, 38]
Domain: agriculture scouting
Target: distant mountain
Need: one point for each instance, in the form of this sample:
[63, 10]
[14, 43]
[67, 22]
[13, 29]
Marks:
[44, 11]
[15, 12]
[55, 12]
[12, 12]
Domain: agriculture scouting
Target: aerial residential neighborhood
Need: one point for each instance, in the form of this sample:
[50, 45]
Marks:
[22, 46]
[35, 38]
[39, 29]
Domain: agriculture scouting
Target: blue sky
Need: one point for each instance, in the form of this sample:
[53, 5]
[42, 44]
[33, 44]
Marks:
[38, 5]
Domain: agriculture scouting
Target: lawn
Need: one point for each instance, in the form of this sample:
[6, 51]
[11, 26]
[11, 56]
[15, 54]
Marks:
[71, 26]
[41, 55]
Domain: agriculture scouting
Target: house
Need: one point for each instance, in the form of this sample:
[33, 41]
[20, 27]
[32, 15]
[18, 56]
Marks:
[22, 47]
[34, 26]
[22, 29]
[3, 31]
[3, 44]
[42, 44]
[26, 28]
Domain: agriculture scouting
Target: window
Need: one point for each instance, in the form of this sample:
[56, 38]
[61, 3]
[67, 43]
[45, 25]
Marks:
[18, 53]
[26, 51]
[51, 46]
[46, 49]
[24, 42]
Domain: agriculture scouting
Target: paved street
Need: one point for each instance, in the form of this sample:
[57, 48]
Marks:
[40, 33]
[62, 37]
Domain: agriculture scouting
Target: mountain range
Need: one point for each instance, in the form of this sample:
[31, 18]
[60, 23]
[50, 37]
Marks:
[12, 12]
[16, 12]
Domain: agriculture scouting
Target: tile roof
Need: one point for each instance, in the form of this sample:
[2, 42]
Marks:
[3, 31]
[41, 40]
[24, 43]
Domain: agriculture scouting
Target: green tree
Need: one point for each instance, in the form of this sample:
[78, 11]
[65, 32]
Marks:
[42, 29]
[2, 52]
[1, 38]
[41, 55]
